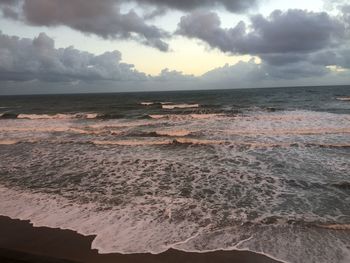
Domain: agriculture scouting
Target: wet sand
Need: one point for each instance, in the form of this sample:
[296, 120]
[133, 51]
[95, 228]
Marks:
[20, 242]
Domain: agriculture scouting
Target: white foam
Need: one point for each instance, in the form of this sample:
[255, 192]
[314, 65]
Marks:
[117, 230]
[155, 219]
[180, 117]
[207, 116]
[155, 116]
[130, 229]
[343, 98]
[147, 103]
[294, 131]
[179, 106]
[57, 116]
[133, 142]
[8, 142]
[336, 226]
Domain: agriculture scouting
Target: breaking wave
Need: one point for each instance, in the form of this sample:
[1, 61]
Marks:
[147, 103]
[179, 106]
[121, 230]
[49, 116]
[199, 116]
[343, 98]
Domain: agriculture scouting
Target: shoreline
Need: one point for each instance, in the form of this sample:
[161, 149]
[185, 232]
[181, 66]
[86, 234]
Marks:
[21, 242]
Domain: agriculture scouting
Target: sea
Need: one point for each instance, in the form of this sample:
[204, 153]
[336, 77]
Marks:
[262, 170]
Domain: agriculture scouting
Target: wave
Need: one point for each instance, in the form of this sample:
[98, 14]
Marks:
[336, 226]
[157, 116]
[296, 115]
[179, 106]
[173, 133]
[8, 115]
[328, 145]
[180, 139]
[8, 142]
[43, 129]
[207, 116]
[196, 141]
[131, 143]
[160, 133]
[147, 103]
[343, 98]
[198, 116]
[304, 131]
[177, 141]
[59, 116]
[138, 228]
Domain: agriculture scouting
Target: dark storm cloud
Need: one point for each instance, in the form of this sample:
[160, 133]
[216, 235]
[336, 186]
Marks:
[339, 57]
[105, 19]
[102, 18]
[293, 31]
[28, 59]
[7, 2]
[188, 5]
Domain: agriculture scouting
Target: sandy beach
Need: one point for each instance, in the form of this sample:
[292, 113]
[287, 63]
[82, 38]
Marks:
[21, 242]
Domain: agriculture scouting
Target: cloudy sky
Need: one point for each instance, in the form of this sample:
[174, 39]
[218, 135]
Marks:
[54, 46]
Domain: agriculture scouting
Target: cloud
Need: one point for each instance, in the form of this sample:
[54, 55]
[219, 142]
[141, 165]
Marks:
[105, 18]
[7, 2]
[251, 72]
[293, 31]
[345, 9]
[23, 59]
[235, 6]
[252, 75]
[173, 75]
[339, 57]
[102, 18]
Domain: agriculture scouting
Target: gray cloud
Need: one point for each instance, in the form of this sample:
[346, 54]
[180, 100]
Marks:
[27, 59]
[23, 59]
[251, 72]
[242, 72]
[339, 57]
[102, 18]
[188, 5]
[173, 75]
[294, 31]
[7, 2]
[250, 75]
[346, 15]
[105, 19]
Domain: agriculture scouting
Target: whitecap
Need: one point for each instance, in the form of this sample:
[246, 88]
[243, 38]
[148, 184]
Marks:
[179, 106]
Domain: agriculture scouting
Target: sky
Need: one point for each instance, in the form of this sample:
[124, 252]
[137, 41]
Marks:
[70, 46]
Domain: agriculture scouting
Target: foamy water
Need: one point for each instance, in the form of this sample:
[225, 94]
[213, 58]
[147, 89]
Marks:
[193, 179]
[179, 106]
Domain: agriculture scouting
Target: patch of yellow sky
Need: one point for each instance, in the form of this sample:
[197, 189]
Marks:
[185, 55]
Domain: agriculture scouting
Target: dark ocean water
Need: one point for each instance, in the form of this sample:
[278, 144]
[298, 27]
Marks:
[266, 170]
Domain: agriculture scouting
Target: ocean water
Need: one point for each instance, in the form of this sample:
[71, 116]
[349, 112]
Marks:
[265, 170]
